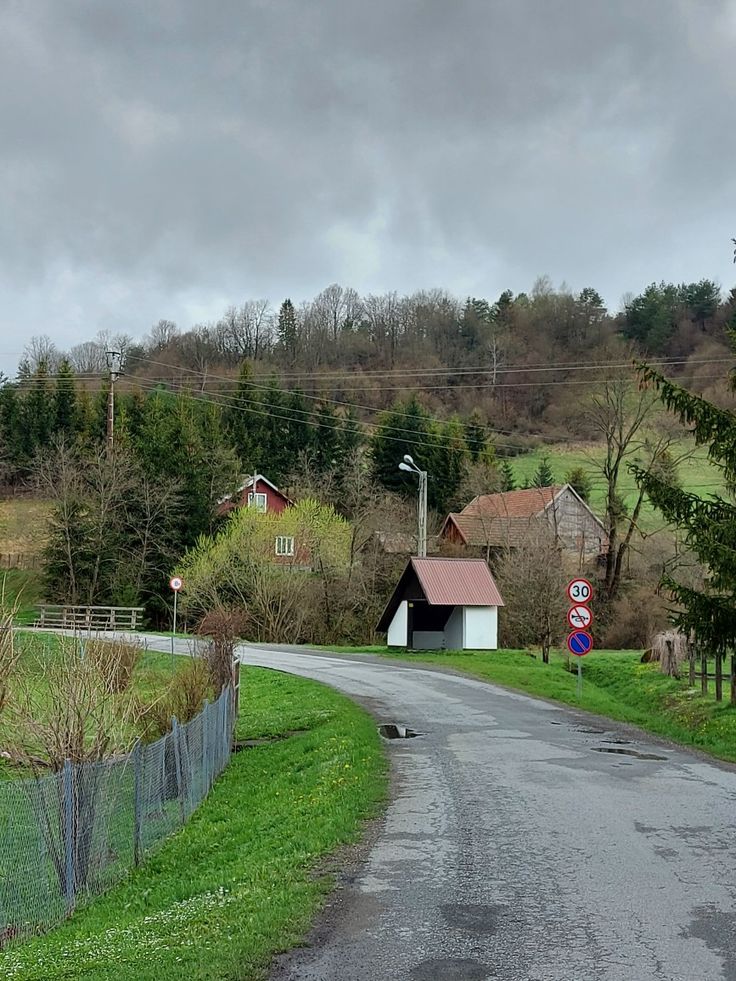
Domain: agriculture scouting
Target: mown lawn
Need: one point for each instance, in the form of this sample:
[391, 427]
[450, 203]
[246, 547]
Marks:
[615, 684]
[240, 882]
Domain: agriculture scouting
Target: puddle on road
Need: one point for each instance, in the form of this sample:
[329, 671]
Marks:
[394, 731]
[628, 752]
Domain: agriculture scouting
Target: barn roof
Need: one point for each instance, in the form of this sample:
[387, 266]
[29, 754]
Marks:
[444, 582]
[514, 504]
[483, 530]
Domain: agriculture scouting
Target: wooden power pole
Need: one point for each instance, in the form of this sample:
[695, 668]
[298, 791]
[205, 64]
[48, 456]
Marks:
[115, 368]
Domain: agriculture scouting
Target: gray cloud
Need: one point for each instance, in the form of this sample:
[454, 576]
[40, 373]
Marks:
[165, 158]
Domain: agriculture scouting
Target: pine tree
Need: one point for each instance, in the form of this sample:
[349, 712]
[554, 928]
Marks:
[709, 525]
[287, 330]
[66, 421]
[579, 479]
[508, 480]
[405, 428]
[543, 476]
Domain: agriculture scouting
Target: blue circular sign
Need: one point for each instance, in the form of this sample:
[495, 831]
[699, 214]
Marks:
[579, 643]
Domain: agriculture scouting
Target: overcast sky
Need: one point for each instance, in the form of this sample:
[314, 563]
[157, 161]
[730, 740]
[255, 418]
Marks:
[165, 158]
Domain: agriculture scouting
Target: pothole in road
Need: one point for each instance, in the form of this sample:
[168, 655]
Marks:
[476, 918]
[391, 730]
[451, 969]
[628, 752]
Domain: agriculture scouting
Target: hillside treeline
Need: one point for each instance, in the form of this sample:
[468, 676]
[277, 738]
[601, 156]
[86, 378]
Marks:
[521, 360]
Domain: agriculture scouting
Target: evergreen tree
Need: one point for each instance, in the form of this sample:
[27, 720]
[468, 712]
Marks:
[327, 439]
[579, 479]
[543, 476]
[508, 480]
[66, 421]
[449, 464]
[475, 436]
[287, 330]
[39, 410]
[709, 525]
[405, 428]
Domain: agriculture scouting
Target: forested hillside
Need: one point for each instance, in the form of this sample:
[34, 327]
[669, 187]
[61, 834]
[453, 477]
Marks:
[311, 395]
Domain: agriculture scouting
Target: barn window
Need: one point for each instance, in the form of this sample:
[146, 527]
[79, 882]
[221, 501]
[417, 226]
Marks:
[258, 500]
[284, 545]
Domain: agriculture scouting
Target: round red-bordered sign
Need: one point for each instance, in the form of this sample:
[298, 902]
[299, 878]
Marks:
[176, 583]
[579, 617]
[580, 591]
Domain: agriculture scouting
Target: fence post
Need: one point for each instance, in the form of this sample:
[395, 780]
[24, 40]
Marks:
[137, 801]
[719, 676]
[691, 663]
[704, 671]
[68, 787]
[175, 729]
[733, 680]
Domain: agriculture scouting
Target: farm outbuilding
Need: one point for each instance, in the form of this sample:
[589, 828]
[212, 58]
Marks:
[443, 604]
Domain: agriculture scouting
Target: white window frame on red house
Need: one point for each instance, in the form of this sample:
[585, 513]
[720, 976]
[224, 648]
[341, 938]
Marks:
[259, 501]
[285, 545]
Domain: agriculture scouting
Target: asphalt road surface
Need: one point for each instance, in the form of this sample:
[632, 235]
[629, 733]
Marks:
[524, 842]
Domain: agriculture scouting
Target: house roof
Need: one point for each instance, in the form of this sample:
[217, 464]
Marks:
[514, 504]
[445, 582]
[250, 482]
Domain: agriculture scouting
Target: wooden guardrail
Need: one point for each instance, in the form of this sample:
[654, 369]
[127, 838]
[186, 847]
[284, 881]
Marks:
[89, 618]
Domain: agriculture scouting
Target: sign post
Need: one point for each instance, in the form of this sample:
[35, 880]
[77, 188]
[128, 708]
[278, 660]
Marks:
[579, 618]
[176, 583]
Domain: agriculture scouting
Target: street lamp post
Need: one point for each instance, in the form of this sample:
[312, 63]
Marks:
[409, 465]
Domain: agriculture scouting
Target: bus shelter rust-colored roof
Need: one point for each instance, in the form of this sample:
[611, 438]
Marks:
[444, 582]
[457, 582]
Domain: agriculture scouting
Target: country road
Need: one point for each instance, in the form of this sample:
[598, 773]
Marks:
[515, 849]
[524, 842]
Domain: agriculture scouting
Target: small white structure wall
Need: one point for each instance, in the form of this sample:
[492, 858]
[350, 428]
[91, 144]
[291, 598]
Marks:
[455, 630]
[397, 631]
[469, 628]
[480, 628]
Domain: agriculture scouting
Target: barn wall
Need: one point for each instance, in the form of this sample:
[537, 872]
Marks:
[575, 526]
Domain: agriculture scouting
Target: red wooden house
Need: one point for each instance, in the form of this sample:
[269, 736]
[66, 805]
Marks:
[257, 491]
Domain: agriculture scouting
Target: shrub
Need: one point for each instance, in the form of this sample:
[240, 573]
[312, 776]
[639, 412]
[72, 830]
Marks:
[116, 660]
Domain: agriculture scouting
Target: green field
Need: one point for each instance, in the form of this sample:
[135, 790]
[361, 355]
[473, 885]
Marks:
[615, 684]
[241, 881]
[696, 473]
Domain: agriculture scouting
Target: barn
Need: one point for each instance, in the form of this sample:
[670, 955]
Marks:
[443, 604]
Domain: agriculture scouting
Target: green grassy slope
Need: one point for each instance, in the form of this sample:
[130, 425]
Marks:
[696, 474]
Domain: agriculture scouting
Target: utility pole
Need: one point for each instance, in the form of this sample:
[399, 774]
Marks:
[115, 368]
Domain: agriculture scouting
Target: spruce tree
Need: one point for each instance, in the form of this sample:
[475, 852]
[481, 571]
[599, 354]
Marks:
[66, 422]
[508, 480]
[287, 330]
[709, 525]
[579, 479]
[543, 476]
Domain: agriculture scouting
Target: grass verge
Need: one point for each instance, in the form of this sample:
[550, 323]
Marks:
[615, 684]
[238, 883]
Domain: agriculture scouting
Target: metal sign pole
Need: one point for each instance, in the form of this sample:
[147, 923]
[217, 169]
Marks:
[173, 632]
[580, 678]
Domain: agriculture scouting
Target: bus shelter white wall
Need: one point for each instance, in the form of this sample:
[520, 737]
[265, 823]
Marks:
[480, 628]
[454, 630]
[398, 628]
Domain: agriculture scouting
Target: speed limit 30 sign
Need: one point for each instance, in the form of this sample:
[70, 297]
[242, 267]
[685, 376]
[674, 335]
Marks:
[580, 591]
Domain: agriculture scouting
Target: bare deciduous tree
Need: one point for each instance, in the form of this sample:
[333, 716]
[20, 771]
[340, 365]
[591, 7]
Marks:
[532, 580]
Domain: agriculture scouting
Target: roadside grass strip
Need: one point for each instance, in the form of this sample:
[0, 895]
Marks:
[241, 881]
[615, 684]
